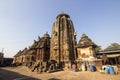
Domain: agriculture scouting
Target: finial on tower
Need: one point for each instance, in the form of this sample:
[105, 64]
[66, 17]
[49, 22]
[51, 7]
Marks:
[63, 14]
[46, 34]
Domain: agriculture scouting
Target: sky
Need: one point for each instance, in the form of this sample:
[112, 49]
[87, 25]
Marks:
[22, 21]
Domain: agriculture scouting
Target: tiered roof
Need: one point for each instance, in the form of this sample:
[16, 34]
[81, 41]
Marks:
[85, 42]
[40, 43]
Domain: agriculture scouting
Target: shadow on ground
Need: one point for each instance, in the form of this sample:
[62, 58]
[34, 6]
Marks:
[53, 79]
[9, 75]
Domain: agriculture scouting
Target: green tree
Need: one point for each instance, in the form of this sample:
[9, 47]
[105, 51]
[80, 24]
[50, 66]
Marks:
[98, 48]
[113, 46]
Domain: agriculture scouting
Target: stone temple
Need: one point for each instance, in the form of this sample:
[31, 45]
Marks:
[59, 51]
[63, 39]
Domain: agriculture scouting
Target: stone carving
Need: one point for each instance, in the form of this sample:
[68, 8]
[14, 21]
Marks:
[62, 45]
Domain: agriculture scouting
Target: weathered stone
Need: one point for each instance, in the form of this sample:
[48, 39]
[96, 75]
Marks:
[63, 39]
[43, 48]
[60, 51]
[85, 47]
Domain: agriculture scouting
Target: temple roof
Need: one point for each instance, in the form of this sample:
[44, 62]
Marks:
[18, 54]
[43, 41]
[39, 43]
[63, 14]
[25, 51]
[85, 42]
[33, 46]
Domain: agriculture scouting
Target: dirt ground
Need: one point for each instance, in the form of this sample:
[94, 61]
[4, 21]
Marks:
[23, 73]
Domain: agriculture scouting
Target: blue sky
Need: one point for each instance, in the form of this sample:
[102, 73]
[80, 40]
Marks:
[22, 21]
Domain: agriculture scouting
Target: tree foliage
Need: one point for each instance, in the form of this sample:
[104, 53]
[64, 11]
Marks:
[98, 48]
[113, 46]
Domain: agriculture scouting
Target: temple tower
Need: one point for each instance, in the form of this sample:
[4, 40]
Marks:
[63, 39]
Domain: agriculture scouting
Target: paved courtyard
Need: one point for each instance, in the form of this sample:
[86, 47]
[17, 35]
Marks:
[23, 73]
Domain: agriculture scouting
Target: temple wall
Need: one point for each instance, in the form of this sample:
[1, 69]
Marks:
[85, 52]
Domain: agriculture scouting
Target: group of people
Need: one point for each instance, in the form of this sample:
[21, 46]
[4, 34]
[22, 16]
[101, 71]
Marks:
[83, 67]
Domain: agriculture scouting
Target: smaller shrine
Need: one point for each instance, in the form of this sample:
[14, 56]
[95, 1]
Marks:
[86, 52]
[85, 47]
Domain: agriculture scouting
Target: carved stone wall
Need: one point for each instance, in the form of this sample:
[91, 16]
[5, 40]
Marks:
[85, 52]
[63, 39]
[43, 48]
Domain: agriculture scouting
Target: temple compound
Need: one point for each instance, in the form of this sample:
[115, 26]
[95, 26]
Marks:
[60, 51]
